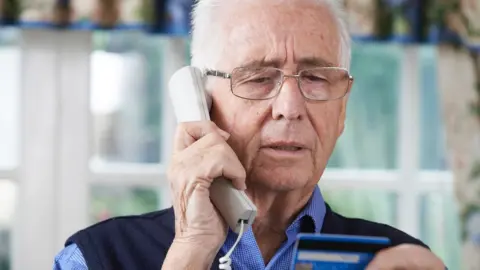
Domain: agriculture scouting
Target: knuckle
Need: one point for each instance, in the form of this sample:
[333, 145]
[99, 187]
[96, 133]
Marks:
[213, 170]
[223, 150]
[213, 137]
[223, 147]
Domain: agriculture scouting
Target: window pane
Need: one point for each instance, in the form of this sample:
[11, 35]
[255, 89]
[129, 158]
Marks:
[440, 227]
[432, 135]
[378, 206]
[112, 201]
[370, 136]
[7, 204]
[4, 249]
[126, 100]
[9, 93]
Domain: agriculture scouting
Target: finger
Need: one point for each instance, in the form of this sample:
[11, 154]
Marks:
[215, 158]
[232, 169]
[208, 158]
[189, 132]
[388, 259]
[202, 146]
[191, 162]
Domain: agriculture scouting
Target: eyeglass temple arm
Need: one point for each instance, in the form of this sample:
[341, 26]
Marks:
[217, 73]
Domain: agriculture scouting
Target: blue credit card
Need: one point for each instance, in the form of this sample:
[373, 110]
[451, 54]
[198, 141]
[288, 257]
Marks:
[327, 251]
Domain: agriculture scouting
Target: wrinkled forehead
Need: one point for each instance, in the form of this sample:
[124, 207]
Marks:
[296, 32]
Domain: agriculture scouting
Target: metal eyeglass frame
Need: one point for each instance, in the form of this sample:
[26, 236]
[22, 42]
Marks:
[225, 75]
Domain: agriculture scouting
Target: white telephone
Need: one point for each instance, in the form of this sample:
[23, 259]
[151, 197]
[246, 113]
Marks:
[192, 103]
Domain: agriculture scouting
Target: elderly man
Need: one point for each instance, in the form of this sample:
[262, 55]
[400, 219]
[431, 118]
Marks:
[278, 75]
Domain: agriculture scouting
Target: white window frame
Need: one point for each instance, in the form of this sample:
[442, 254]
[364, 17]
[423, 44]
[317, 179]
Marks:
[56, 172]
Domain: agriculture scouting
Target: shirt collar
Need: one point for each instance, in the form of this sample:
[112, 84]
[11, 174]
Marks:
[314, 212]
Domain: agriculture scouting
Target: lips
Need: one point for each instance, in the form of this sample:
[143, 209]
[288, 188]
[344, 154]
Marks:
[285, 146]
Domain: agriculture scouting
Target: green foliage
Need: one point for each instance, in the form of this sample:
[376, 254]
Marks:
[475, 173]
[475, 108]
[11, 10]
[383, 19]
[470, 30]
[465, 215]
[147, 12]
[110, 202]
[4, 264]
[439, 10]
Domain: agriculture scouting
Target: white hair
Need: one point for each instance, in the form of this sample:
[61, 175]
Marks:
[204, 53]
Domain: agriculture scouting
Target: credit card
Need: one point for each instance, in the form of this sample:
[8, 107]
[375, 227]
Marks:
[327, 251]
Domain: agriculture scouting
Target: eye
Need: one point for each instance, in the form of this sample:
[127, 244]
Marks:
[314, 78]
[260, 80]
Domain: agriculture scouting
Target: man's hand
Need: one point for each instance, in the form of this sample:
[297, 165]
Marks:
[406, 257]
[201, 154]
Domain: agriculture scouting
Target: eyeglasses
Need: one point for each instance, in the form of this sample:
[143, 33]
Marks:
[260, 83]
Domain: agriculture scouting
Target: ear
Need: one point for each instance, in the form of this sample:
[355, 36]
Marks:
[343, 111]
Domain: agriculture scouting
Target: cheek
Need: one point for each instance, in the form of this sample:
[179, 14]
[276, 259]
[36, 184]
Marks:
[242, 120]
[245, 139]
[325, 121]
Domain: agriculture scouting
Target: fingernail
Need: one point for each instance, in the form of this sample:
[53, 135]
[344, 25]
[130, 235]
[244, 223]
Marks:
[244, 186]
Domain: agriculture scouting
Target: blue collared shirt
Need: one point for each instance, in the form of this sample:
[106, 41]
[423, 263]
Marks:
[246, 255]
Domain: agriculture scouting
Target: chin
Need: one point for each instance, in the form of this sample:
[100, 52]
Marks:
[281, 178]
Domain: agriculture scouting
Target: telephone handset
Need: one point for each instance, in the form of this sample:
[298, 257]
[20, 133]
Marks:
[192, 103]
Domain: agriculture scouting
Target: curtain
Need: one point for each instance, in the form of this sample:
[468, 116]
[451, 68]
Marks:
[457, 93]
[459, 80]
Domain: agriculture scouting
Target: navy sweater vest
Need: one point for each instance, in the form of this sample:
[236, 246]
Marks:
[141, 242]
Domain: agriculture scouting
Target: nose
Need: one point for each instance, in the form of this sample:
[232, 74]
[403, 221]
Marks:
[289, 103]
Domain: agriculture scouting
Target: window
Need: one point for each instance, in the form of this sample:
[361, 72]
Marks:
[440, 227]
[9, 94]
[126, 88]
[439, 214]
[7, 202]
[371, 127]
[9, 134]
[374, 205]
[126, 97]
[370, 137]
[391, 157]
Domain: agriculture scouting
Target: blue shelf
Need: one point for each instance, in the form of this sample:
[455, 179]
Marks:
[82, 26]
[365, 38]
[474, 48]
[89, 26]
[403, 39]
[435, 36]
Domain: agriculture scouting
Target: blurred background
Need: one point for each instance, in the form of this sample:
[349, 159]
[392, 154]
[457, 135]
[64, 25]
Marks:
[86, 126]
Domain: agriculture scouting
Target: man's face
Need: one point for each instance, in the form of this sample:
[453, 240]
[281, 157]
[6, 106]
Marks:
[288, 35]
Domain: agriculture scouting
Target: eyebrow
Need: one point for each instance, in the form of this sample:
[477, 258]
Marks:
[262, 63]
[304, 62]
[315, 61]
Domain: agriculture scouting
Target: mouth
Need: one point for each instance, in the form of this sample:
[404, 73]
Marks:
[286, 146]
[285, 151]
[290, 148]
